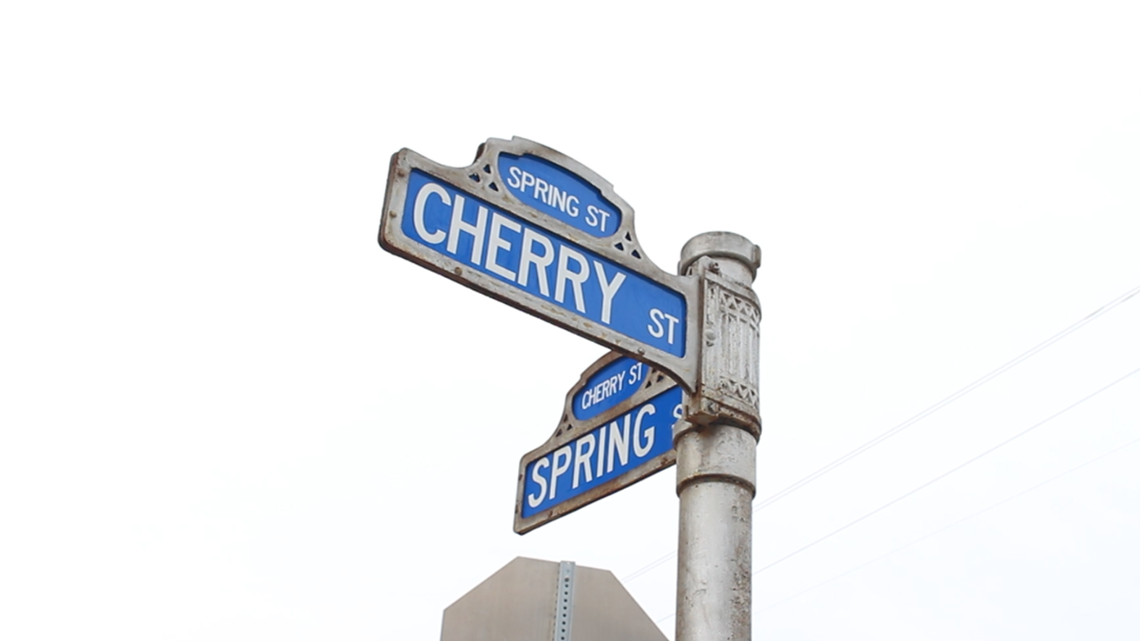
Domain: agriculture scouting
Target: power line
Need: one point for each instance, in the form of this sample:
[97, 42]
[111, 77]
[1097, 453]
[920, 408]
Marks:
[939, 478]
[946, 401]
[1102, 310]
[649, 567]
[944, 474]
[952, 525]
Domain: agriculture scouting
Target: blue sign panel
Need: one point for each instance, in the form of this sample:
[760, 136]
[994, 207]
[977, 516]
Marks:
[453, 223]
[609, 386]
[602, 454]
[557, 192]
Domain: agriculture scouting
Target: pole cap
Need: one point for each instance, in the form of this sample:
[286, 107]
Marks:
[720, 244]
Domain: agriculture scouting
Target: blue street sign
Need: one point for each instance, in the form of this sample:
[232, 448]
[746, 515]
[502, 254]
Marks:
[559, 193]
[535, 229]
[602, 454]
[616, 429]
[454, 223]
[610, 386]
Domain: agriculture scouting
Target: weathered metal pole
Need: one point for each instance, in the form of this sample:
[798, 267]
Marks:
[716, 445]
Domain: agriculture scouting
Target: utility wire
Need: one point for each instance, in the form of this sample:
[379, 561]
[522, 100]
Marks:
[935, 480]
[952, 525]
[943, 475]
[938, 531]
[646, 569]
[946, 401]
[1102, 310]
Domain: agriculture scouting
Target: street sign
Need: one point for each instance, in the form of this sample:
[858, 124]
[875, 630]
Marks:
[539, 231]
[616, 429]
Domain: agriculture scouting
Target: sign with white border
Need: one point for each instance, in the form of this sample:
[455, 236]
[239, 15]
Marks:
[539, 231]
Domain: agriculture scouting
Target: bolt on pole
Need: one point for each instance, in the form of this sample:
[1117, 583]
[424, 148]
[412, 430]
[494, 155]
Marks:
[716, 445]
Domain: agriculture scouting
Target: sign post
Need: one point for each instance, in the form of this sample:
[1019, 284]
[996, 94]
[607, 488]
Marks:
[716, 446]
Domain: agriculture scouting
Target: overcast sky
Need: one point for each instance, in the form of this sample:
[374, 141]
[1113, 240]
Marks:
[228, 414]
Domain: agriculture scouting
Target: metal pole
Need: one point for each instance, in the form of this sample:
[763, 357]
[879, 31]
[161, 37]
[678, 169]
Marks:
[716, 445]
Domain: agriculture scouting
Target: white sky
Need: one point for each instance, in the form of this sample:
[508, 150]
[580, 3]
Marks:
[227, 414]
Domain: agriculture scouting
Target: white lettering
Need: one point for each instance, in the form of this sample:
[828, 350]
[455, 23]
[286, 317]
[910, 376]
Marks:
[558, 198]
[559, 468]
[550, 194]
[601, 451]
[657, 330]
[619, 443]
[540, 262]
[564, 275]
[638, 449]
[582, 459]
[592, 217]
[496, 242]
[635, 373]
[437, 236]
[531, 499]
[476, 231]
[672, 324]
[605, 389]
[609, 290]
